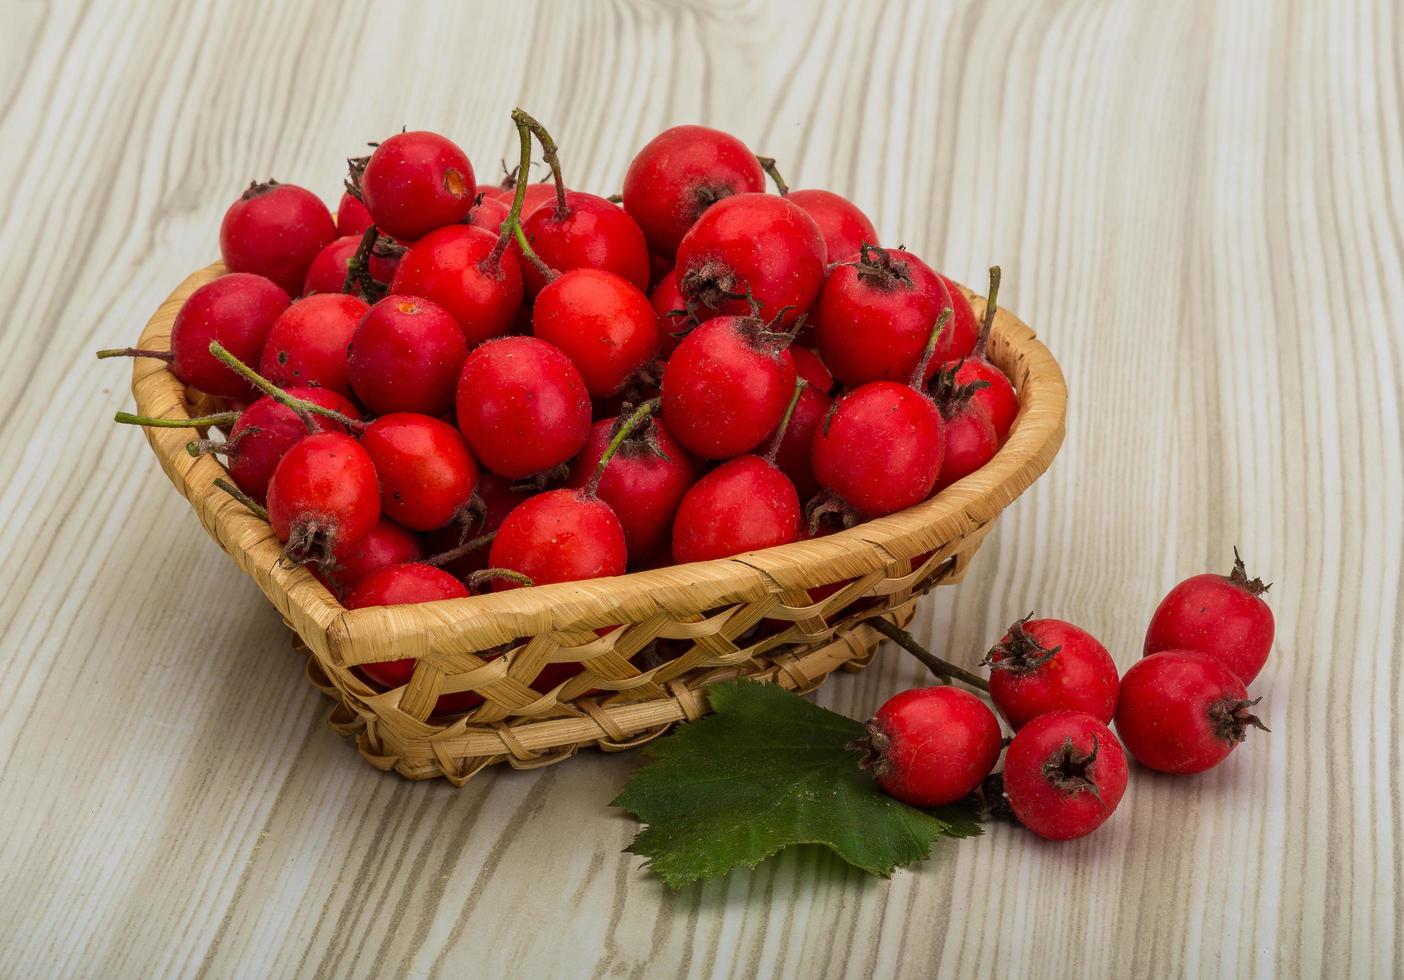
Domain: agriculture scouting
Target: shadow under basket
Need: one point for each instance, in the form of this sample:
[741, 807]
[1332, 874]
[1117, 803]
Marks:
[611, 662]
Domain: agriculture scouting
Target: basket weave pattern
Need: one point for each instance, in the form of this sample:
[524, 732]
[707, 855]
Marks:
[650, 642]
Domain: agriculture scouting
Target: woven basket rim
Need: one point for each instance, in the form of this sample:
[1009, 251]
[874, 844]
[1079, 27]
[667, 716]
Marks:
[481, 622]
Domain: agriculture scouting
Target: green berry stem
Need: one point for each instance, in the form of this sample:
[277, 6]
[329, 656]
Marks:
[199, 422]
[768, 165]
[486, 575]
[300, 406]
[160, 355]
[548, 152]
[493, 259]
[990, 308]
[547, 273]
[459, 551]
[633, 422]
[260, 511]
[773, 449]
[919, 375]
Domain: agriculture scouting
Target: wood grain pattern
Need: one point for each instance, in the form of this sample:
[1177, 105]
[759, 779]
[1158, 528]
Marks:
[1199, 205]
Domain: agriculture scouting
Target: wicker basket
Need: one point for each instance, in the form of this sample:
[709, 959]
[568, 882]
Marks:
[683, 627]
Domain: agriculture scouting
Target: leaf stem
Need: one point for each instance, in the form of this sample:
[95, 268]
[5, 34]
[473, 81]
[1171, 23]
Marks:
[933, 663]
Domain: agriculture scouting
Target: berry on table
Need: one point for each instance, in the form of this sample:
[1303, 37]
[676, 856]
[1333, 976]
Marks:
[931, 745]
[1183, 712]
[1223, 616]
[1043, 665]
[1064, 774]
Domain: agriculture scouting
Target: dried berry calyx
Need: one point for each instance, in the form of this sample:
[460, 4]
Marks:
[1232, 717]
[872, 749]
[949, 394]
[876, 269]
[1239, 577]
[1071, 771]
[1018, 652]
[257, 188]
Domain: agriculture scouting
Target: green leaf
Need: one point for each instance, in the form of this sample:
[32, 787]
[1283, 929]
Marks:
[768, 770]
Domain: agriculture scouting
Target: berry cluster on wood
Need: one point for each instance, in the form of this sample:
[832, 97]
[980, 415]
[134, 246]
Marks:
[1181, 709]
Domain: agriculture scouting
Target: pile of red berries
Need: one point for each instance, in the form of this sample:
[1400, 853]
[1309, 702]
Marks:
[1181, 709]
[494, 387]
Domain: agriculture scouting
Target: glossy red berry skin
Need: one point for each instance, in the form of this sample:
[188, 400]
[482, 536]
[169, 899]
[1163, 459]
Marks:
[266, 430]
[451, 267]
[755, 242]
[400, 585]
[416, 182]
[960, 335]
[426, 472]
[642, 487]
[386, 544]
[1182, 711]
[930, 746]
[679, 174]
[796, 455]
[673, 319]
[726, 387]
[1028, 679]
[1223, 616]
[352, 218]
[522, 406]
[845, 228]
[881, 448]
[875, 315]
[591, 234]
[324, 494]
[602, 322]
[327, 273]
[970, 443]
[275, 230]
[488, 214]
[309, 343]
[998, 400]
[406, 356]
[1064, 774]
[559, 536]
[745, 504]
[238, 310]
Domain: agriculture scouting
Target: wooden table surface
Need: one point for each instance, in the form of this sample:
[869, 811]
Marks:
[1199, 206]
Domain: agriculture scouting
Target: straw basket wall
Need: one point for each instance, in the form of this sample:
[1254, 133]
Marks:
[667, 634]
